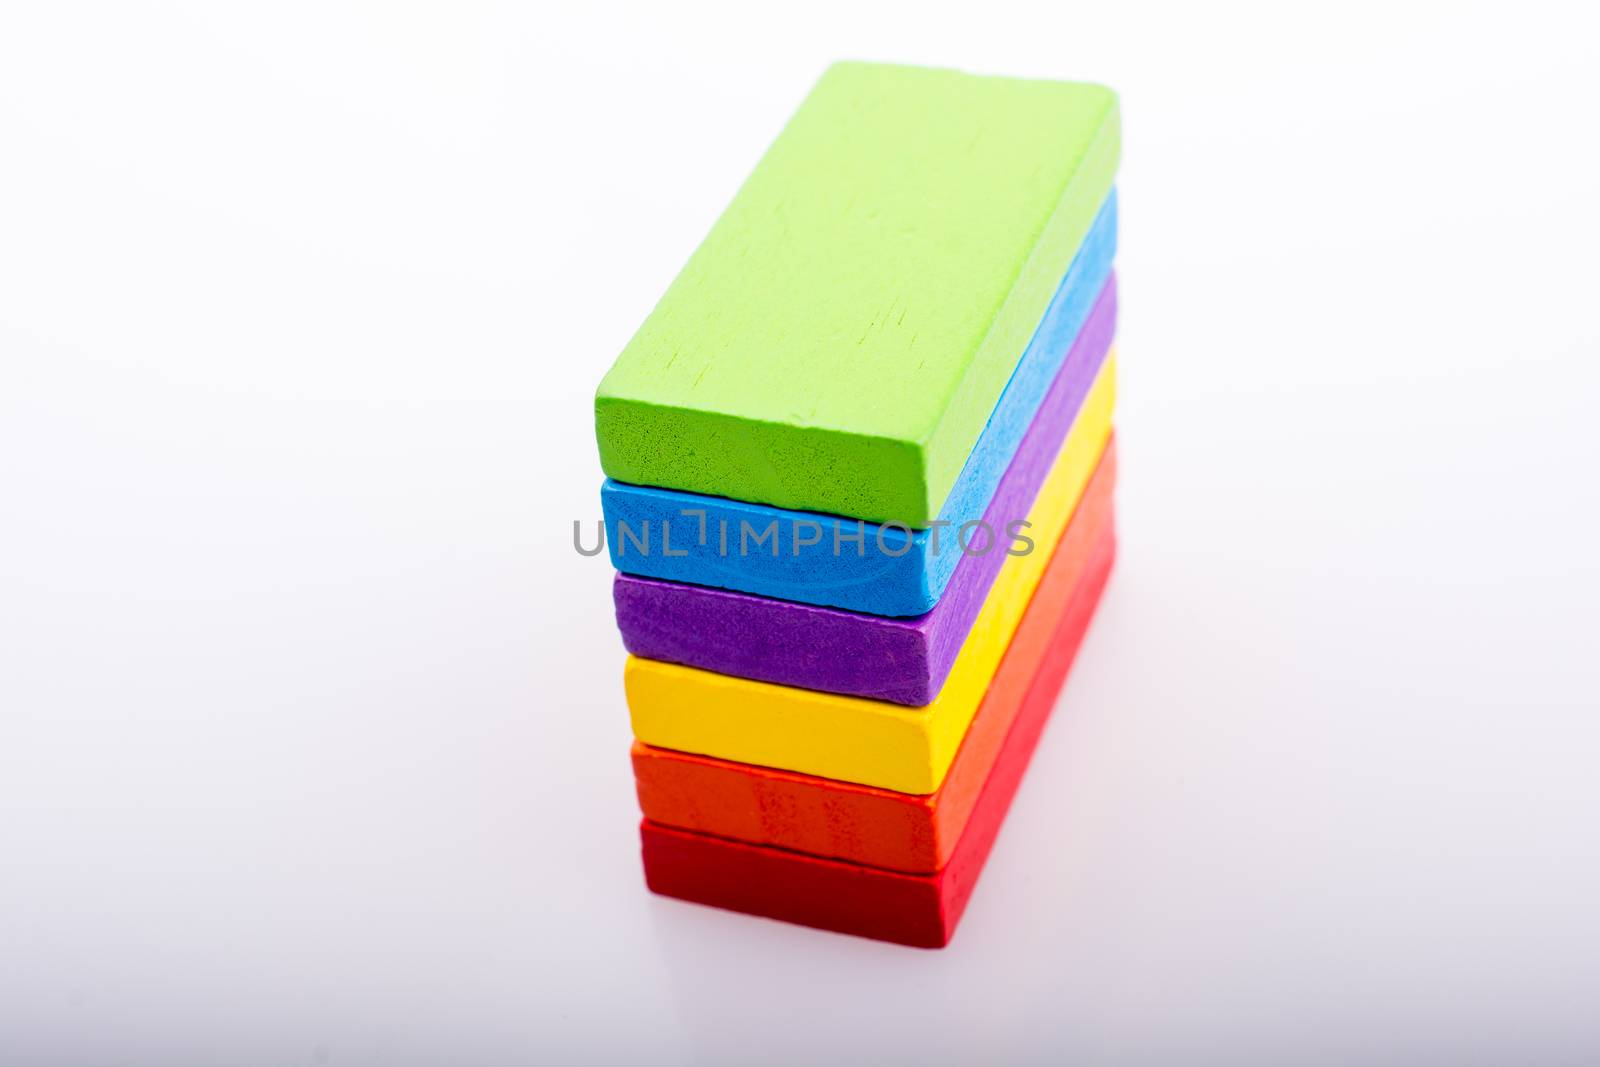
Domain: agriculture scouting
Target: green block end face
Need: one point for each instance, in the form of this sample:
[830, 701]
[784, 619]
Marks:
[792, 466]
[839, 339]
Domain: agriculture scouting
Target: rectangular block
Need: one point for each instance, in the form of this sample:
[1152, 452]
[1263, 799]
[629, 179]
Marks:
[912, 909]
[839, 339]
[862, 824]
[870, 741]
[904, 661]
[699, 539]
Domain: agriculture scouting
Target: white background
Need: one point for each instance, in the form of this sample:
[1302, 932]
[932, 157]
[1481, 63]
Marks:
[312, 739]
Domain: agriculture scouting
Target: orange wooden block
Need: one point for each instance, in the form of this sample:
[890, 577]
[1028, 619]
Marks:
[865, 824]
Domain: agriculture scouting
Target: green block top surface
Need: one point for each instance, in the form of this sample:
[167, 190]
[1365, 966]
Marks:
[838, 340]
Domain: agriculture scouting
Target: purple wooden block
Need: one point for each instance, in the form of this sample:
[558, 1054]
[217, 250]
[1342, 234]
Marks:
[903, 660]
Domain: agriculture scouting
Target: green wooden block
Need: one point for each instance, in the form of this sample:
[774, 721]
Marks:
[839, 339]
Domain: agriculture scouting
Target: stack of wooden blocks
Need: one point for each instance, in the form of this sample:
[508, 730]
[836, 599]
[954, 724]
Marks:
[860, 468]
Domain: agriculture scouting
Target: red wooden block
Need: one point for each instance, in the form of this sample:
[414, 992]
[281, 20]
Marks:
[911, 909]
[866, 824]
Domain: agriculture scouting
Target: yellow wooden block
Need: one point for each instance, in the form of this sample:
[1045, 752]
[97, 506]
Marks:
[870, 741]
